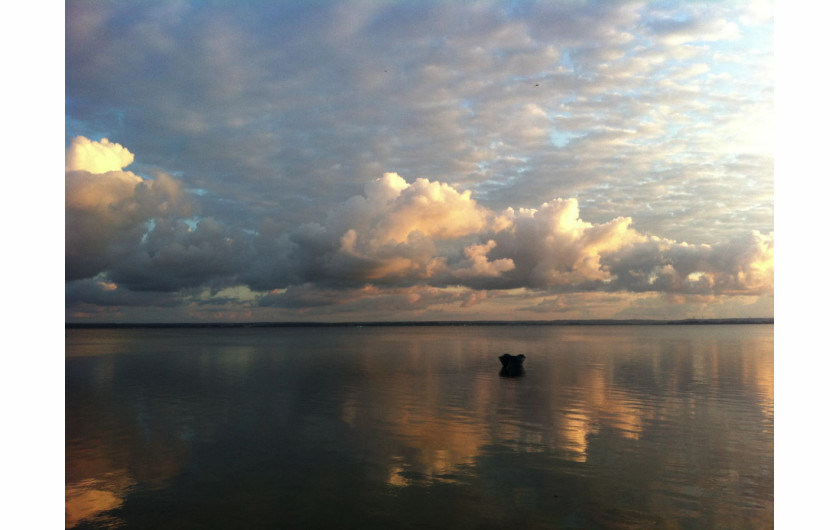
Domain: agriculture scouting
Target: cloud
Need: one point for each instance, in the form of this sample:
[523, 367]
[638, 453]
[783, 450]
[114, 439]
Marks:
[480, 266]
[677, 32]
[743, 266]
[434, 209]
[177, 255]
[433, 89]
[389, 234]
[424, 231]
[551, 245]
[109, 212]
[96, 157]
[528, 136]
[405, 244]
[393, 235]
[382, 301]
[93, 293]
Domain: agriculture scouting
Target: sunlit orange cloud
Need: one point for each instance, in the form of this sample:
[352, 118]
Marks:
[391, 231]
[400, 246]
[434, 209]
[480, 265]
[557, 247]
[756, 274]
[108, 286]
[99, 191]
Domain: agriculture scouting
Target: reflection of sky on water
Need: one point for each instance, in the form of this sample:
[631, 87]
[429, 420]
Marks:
[638, 426]
[572, 404]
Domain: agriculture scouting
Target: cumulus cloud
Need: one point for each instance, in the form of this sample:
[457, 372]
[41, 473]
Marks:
[426, 231]
[103, 156]
[391, 233]
[480, 266]
[744, 265]
[433, 209]
[552, 245]
[406, 244]
[108, 212]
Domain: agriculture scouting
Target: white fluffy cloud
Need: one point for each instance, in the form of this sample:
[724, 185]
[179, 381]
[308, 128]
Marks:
[96, 157]
[396, 209]
[480, 266]
[552, 245]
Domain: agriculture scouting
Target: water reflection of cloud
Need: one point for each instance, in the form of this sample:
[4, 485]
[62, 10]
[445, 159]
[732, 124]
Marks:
[99, 476]
[442, 433]
[122, 441]
[88, 498]
[428, 439]
[437, 431]
[419, 416]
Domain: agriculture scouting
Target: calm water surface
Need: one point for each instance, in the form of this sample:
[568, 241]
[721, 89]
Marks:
[413, 427]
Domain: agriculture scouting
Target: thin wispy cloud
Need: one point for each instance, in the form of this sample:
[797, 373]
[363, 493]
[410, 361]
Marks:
[373, 160]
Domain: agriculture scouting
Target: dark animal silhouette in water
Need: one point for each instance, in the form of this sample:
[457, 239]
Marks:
[512, 365]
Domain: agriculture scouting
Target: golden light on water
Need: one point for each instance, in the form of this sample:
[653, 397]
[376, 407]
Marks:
[419, 409]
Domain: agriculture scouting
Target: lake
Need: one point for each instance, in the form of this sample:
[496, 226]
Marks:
[659, 426]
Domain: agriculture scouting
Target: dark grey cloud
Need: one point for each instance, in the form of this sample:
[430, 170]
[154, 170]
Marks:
[91, 293]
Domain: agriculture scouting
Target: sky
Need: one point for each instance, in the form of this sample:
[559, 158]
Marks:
[381, 160]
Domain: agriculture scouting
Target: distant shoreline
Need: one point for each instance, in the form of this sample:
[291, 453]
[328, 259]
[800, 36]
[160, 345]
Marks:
[604, 322]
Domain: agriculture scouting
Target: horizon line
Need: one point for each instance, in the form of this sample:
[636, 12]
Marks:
[394, 323]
